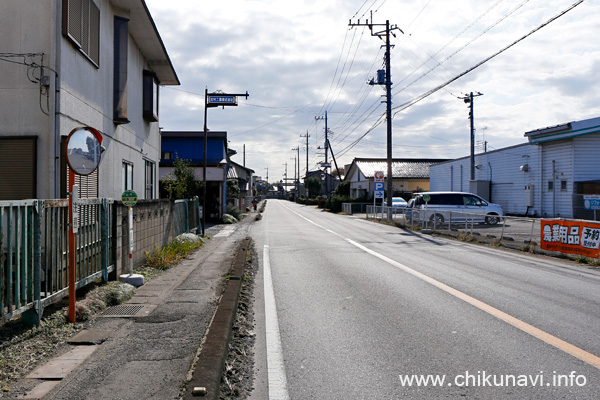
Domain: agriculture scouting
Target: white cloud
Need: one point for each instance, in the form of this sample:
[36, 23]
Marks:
[298, 59]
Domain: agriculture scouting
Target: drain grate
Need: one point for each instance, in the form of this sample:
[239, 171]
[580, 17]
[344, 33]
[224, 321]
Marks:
[123, 310]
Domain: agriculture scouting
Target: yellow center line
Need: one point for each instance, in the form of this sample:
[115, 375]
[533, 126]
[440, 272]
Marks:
[560, 344]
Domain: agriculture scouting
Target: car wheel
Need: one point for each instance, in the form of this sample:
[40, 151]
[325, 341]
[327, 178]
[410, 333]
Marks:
[492, 219]
[437, 219]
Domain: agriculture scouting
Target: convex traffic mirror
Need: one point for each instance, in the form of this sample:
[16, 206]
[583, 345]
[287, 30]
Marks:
[84, 150]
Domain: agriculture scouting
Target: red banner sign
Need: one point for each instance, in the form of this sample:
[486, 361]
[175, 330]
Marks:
[573, 237]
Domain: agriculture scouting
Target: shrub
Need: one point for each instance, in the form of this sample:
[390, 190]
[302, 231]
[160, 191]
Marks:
[229, 219]
[233, 211]
[321, 202]
[335, 201]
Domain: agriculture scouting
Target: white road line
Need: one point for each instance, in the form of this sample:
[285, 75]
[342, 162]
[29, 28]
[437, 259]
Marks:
[275, 366]
[554, 341]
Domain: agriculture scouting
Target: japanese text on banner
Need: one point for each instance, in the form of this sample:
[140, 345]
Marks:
[574, 237]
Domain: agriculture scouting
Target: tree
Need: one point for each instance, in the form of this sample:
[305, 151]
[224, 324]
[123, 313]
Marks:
[314, 187]
[183, 183]
[233, 189]
[343, 189]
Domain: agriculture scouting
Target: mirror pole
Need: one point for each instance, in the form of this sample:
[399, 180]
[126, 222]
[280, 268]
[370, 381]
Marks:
[71, 250]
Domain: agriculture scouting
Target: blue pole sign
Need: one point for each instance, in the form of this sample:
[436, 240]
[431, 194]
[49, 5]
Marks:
[378, 190]
[591, 201]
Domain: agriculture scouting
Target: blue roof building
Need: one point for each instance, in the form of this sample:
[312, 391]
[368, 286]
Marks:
[189, 145]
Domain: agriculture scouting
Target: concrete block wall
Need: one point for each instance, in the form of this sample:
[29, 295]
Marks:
[153, 225]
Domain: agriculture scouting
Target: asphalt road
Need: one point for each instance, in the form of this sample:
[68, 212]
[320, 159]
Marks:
[351, 309]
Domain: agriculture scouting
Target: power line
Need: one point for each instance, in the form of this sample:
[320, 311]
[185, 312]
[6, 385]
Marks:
[404, 106]
[465, 45]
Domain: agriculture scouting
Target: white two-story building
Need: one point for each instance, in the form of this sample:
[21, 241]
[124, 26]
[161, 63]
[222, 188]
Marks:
[72, 63]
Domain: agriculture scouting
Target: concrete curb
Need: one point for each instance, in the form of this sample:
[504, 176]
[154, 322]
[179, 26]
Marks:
[206, 378]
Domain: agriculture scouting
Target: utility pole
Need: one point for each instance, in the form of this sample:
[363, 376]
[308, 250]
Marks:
[469, 100]
[295, 192]
[387, 81]
[297, 174]
[326, 147]
[244, 162]
[267, 180]
[306, 136]
[335, 162]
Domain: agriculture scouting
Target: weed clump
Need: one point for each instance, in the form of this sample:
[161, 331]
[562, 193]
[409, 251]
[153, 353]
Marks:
[176, 250]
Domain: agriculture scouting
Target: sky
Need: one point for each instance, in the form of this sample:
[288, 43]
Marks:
[300, 59]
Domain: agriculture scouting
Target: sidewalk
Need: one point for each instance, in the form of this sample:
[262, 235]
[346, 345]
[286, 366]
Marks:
[144, 348]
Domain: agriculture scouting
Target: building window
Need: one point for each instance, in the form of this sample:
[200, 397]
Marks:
[150, 176]
[166, 155]
[18, 166]
[563, 186]
[150, 96]
[550, 186]
[127, 176]
[81, 25]
[120, 71]
[88, 184]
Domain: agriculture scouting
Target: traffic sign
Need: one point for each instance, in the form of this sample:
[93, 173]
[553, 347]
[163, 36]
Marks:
[378, 190]
[591, 202]
[129, 198]
[221, 100]
[379, 176]
[426, 198]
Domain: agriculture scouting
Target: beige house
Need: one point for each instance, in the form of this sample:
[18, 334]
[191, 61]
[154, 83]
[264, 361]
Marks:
[408, 174]
[72, 63]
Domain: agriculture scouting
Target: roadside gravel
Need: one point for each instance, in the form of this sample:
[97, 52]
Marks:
[238, 374]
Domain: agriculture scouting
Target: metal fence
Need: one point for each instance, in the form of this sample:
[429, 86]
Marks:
[34, 251]
[514, 232]
[354, 208]
[34, 248]
[187, 215]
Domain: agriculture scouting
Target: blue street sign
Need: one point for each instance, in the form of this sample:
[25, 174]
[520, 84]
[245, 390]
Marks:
[378, 186]
[222, 100]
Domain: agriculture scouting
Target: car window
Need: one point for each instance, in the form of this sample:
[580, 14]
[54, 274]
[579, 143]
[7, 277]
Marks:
[435, 199]
[455, 200]
[471, 200]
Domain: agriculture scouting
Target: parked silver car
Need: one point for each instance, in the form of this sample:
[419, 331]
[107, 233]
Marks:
[439, 207]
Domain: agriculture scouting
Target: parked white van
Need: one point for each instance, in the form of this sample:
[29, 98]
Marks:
[440, 207]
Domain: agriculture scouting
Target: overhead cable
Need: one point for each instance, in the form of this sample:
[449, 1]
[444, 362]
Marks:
[430, 92]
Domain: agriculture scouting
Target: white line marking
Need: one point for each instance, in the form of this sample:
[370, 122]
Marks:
[275, 366]
[226, 231]
[554, 341]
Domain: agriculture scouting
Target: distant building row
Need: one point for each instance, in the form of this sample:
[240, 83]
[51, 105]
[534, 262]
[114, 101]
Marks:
[544, 177]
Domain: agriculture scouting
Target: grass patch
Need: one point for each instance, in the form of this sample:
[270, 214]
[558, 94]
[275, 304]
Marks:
[176, 250]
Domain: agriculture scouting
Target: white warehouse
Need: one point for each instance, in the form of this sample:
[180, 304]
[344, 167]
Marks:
[545, 177]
